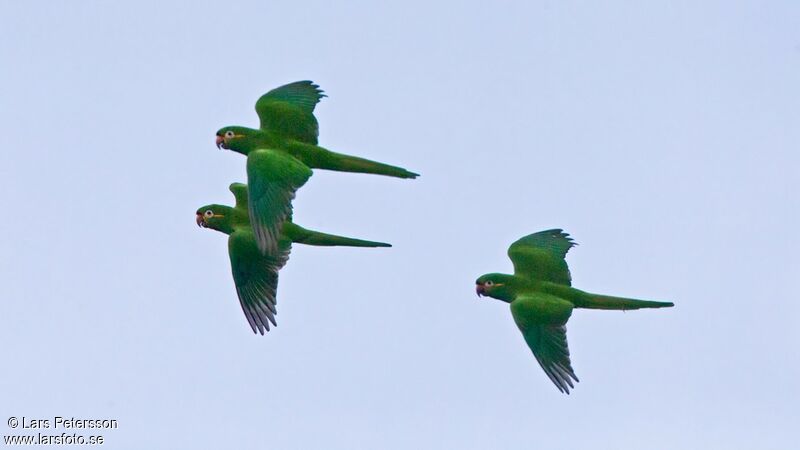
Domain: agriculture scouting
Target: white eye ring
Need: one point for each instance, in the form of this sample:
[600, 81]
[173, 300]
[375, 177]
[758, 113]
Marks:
[489, 283]
[208, 213]
[229, 134]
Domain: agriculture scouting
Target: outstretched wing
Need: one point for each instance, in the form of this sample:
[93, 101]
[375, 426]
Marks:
[273, 178]
[542, 320]
[540, 256]
[256, 278]
[289, 111]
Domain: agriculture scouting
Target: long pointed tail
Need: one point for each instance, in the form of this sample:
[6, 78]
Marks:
[594, 301]
[309, 237]
[325, 159]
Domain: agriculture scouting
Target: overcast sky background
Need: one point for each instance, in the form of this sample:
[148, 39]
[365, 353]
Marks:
[663, 137]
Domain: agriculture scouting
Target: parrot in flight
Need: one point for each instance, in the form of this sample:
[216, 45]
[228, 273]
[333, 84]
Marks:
[542, 299]
[255, 274]
[282, 152]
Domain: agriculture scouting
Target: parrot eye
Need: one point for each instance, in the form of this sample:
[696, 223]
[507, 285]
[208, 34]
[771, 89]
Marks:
[208, 213]
[229, 134]
[489, 283]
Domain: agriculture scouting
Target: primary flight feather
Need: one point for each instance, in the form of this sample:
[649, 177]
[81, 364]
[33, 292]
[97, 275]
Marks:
[542, 298]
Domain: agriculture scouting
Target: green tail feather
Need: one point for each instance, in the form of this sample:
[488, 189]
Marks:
[308, 237]
[322, 158]
[594, 301]
[348, 163]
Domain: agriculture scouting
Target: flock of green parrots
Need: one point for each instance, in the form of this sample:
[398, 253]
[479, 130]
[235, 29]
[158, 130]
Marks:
[281, 154]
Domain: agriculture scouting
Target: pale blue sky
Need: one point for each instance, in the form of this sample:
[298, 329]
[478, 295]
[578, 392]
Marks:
[663, 136]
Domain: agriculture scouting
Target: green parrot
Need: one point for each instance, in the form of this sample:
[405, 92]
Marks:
[542, 299]
[281, 154]
[256, 274]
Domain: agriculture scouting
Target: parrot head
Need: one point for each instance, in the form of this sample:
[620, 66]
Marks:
[218, 217]
[239, 139]
[495, 285]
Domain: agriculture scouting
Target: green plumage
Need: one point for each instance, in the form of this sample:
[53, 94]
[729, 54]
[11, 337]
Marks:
[289, 111]
[282, 152]
[273, 177]
[255, 273]
[542, 299]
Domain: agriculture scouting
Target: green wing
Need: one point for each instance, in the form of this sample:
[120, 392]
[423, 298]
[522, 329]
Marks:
[273, 177]
[288, 111]
[542, 320]
[239, 191]
[256, 278]
[540, 256]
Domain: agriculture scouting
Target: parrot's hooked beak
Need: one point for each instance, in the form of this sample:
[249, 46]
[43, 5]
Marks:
[220, 141]
[480, 290]
[201, 222]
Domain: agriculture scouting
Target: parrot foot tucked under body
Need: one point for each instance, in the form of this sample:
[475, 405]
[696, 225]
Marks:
[255, 273]
[542, 299]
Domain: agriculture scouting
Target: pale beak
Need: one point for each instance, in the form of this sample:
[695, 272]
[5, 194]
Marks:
[220, 141]
[480, 290]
